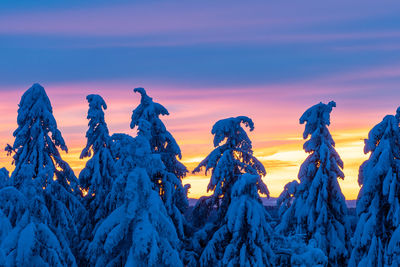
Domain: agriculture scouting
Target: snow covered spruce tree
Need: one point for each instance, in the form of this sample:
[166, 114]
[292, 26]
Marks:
[123, 149]
[229, 160]
[318, 210]
[161, 141]
[241, 234]
[5, 224]
[98, 175]
[376, 240]
[43, 203]
[4, 178]
[285, 199]
[139, 231]
[243, 239]
[169, 182]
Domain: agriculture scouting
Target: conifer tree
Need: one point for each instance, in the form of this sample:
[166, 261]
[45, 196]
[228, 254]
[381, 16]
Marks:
[4, 178]
[138, 232]
[122, 149]
[376, 239]
[43, 204]
[168, 182]
[318, 210]
[5, 224]
[12, 204]
[241, 235]
[285, 199]
[244, 238]
[98, 175]
[229, 160]
[161, 141]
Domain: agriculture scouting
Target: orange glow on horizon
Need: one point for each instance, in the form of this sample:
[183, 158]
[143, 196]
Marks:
[282, 163]
[277, 138]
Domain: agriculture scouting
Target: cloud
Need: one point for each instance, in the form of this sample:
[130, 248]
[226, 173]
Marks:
[136, 19]
[276, 139]
[206, 61]
[175, 23]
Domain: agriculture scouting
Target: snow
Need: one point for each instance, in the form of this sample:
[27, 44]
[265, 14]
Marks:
[376, 238]
[309, 256]
[45, 213]
[316, 207]
[247, 221]
[225, 165]
[99, 173]
[169, 181]
[141, 224]
[138, 230]
[241, 234]
[4, 178]
[130, 208]
[161, 141]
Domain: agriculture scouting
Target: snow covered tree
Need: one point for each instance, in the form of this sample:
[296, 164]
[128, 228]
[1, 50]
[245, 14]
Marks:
[5, 224]
[229, 160]
[139, 231]
[34, 241]
[318, 209]
[285, 199]
[243, 239]
[308, 256]
[161, 141]
[241, 233]
[376, 240]
[43, 203]
[123, 147]
[169, 182]
[128, 153]
[4, 178]
[12, 204]
[98, 175]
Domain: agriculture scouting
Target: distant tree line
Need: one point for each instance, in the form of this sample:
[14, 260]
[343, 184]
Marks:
[128, 207]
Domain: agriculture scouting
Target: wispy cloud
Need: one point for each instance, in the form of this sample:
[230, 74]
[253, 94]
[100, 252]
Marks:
[275, 110]
[177, 23]
[206, 61]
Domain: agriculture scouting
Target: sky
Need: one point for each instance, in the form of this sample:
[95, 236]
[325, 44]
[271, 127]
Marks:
[205, 61]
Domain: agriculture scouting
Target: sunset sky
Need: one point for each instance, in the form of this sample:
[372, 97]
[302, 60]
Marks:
[204, 61]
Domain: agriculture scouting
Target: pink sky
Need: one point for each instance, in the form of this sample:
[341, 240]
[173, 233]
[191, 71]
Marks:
[206, 61]
[276, 138]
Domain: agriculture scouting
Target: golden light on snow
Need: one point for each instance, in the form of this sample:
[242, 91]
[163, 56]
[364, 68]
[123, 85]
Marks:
[84, 191]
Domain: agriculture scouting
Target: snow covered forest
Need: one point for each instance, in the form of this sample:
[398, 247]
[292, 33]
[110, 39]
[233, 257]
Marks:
[129, 207]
